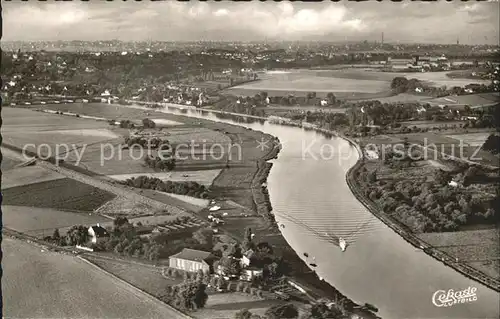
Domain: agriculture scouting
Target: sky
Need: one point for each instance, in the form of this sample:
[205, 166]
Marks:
[407, 22]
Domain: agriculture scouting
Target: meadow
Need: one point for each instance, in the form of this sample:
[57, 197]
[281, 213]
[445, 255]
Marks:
[348, 83]
[479, 248]
[44, 284]
[41, 222]
[63, 194]
[28, 175]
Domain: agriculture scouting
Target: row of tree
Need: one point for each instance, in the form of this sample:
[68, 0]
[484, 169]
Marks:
[190, 188]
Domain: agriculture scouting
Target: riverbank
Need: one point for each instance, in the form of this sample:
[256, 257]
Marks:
[409, 236]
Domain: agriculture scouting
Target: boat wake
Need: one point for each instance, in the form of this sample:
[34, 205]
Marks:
[340, 238]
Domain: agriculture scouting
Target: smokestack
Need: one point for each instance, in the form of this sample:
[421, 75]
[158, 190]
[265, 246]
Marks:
[382, 37]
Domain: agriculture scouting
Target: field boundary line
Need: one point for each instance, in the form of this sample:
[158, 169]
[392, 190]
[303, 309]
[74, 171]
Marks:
[136, 289]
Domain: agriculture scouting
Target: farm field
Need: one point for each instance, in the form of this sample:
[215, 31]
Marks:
[28, 175]
[437, 78]
[431, 124]
[41, 222]
[479, 248]
[64, 194]
[401, 98]
[344, 83]
[305, 108]
[165, 122]
[8, 163]
[144, 277]
[122, 206]
[20, 120]
[191, 200]
[471, 139]
[223, 305]
[204, 177]
[49, 279]
[471, 99]
[232, 183]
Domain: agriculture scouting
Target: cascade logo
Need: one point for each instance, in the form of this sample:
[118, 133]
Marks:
[442, 298]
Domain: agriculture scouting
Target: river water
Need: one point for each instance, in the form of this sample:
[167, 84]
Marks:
[310, 197]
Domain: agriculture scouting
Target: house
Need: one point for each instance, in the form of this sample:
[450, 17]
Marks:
[192, 260]
[97, 234]
[250, 273]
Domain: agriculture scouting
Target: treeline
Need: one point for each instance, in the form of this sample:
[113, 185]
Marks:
[432, 207]
[190, 188]
[160, 162]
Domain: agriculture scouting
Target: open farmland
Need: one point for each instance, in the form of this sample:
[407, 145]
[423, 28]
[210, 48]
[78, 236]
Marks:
[348, 83]
[233, 183]
[63, 286]
[18, 120]
[223, 305]
[41, 222]
[431, 124]
[123, 206]
[64, 194]
[144, 277]
[471, 139]
[28, 175]
[9, 163]
[479, 248]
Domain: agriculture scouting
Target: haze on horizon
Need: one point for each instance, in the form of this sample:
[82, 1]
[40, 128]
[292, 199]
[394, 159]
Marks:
[406, 22]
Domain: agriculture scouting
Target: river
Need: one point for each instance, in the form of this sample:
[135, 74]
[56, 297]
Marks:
[310, 196]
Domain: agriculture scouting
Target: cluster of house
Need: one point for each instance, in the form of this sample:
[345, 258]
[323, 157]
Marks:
[192, 260]
[420, 63]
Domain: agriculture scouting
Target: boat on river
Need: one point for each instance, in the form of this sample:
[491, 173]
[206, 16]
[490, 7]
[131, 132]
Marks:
[342, 244]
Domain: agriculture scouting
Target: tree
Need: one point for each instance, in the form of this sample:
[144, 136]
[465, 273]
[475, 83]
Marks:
[77, 235]
[282, 311]
[192, 295]
[243, 314]
[322, 311]
[56, 236]
[230, 266]
[331, 98]
[247, 239]
[204, 236]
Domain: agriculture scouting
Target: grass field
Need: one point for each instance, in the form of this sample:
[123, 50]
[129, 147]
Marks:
[430, 124]
[41, 284]
[63, 194]
[471, 139]
[147, 278]
[345, 83]
[41, 222]
[479, 248]
[224, 305]
[122, 206]
[9, 163]
[28, 175]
